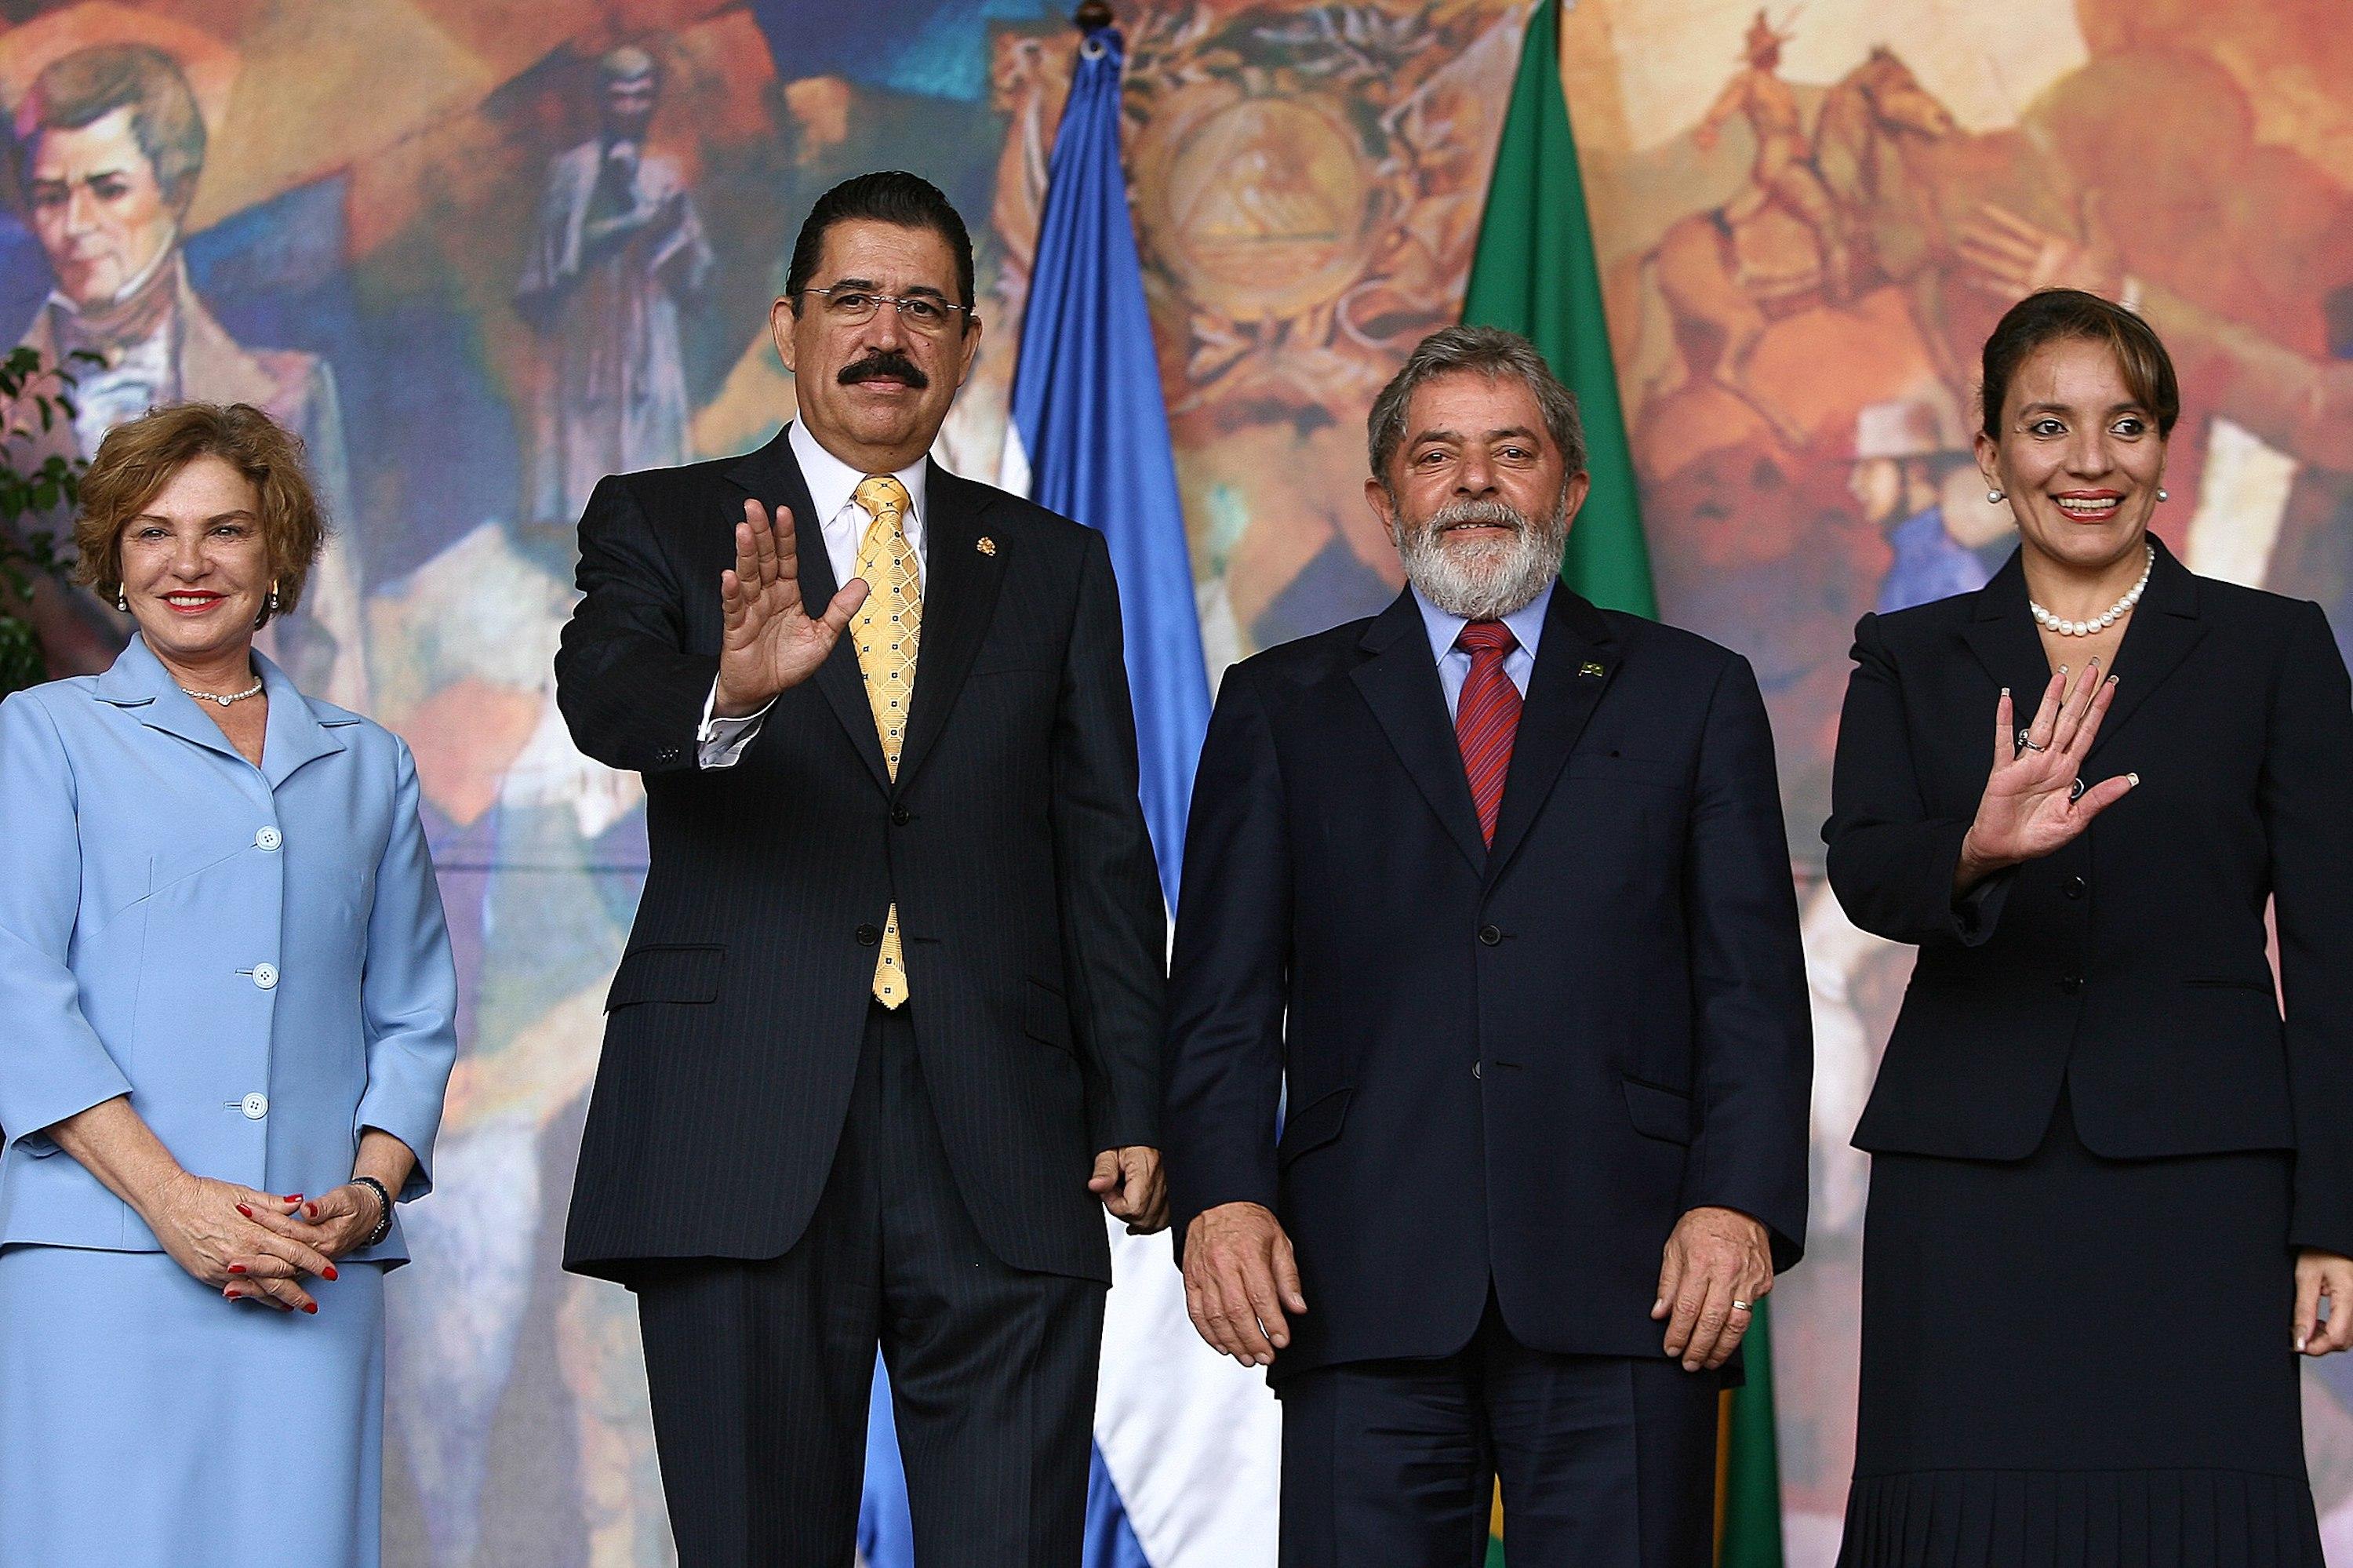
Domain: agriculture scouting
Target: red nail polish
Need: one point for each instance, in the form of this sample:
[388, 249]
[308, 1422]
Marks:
[330, 1271]
[312, 1209]
[311, 1308]
[237, 1268]
[293, 1197]
[246, 1211]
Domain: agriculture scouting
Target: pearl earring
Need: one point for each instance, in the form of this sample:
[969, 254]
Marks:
[121, 601]
[1993, 497]
[2161, 494]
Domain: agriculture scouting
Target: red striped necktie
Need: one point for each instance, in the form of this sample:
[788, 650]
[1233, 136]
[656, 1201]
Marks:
[1487, 717]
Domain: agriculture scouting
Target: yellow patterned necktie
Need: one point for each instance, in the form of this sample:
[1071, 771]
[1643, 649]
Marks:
[888, 627]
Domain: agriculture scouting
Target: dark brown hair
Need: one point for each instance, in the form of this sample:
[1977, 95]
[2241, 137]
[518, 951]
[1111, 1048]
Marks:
[87, 84]
[2071, 316]
[138, 458]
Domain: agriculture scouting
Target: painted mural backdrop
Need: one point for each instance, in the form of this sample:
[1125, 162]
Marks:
[482, 252]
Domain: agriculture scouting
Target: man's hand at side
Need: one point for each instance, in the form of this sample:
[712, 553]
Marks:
[1239, 1280]
[1129, 1183]
[1718, 1266]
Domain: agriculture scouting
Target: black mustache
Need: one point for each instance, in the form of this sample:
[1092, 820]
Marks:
[881, 363]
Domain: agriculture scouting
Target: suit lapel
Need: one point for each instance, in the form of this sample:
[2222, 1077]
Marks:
[2001, 633]
[1399, 681]
[2163, 630]
[296, 734]
[2160, 635]
[1562, 693]
[138, 684]
[960, 584]
[772, 477]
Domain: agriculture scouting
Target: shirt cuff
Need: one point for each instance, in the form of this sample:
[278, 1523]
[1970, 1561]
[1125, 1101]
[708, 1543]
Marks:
[720, 742]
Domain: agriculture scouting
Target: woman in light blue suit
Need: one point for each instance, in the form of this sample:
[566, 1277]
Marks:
[226, 1008]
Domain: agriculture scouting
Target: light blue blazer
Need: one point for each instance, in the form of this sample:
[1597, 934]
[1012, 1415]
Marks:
[257, 957]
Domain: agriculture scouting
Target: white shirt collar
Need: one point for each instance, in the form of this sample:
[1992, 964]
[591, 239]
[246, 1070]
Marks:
[833, 483]
[1526, 623]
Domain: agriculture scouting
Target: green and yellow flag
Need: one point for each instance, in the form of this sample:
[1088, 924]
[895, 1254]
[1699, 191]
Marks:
[1535, 272]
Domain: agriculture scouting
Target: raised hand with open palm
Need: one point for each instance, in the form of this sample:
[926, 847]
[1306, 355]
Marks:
[770, 641]
[2033, 803]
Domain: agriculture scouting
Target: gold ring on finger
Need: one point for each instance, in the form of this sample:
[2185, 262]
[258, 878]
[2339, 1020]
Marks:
[1739, 1305]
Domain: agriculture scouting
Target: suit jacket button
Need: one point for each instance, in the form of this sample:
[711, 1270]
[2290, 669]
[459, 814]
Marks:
[2073, 985]
[1475, 1069]
[1491, 934]
[869, 935]
[901, 816]
[2075, 887]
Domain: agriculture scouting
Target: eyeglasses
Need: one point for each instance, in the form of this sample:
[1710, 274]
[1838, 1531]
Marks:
[855, 307]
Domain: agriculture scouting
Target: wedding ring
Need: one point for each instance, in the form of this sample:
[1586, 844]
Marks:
[1739, 1305]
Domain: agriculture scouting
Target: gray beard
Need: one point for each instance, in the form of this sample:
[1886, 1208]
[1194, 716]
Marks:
[1499, 578]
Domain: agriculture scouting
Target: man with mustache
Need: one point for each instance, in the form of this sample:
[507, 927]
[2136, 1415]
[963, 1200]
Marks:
[885, 1040]
[1489, 895]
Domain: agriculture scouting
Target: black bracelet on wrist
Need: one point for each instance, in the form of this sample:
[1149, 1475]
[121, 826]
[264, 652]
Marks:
[384, 1203]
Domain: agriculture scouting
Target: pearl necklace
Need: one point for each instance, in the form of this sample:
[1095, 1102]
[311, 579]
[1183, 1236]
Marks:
[2106, 618]
[252, 690]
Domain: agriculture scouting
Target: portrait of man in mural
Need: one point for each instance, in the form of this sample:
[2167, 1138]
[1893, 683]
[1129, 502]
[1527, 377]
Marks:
[618, 250]
[110, 146]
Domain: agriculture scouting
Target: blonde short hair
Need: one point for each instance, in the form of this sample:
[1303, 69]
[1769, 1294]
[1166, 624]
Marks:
[138, 458]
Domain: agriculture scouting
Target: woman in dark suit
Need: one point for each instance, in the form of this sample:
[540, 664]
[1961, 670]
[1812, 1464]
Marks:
[2110, 1187]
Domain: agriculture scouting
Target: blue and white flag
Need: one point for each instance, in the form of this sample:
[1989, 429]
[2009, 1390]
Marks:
[1089, 435]
[1188, 1444]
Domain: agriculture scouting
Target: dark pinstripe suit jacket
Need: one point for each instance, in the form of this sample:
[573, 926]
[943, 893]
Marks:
[1011, 841]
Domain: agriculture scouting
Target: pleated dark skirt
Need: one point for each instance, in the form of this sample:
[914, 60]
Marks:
[2071, 1361]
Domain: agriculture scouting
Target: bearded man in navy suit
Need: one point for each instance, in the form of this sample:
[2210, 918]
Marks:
[1491, 894]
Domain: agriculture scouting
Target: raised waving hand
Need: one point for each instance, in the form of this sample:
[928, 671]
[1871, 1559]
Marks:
[771, 643]
[2034, 799]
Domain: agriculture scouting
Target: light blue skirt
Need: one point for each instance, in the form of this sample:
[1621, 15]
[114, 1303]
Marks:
[147, 1423]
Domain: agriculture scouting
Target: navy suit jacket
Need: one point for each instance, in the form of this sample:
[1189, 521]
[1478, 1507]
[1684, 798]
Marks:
[1010, 840]
[1520, 1063]
[2129, 966]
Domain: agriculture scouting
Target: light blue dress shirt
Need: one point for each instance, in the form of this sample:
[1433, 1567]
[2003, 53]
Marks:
[1454, 663]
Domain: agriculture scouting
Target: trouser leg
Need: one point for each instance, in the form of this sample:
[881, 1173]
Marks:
[992, 1368]
[761, 1371]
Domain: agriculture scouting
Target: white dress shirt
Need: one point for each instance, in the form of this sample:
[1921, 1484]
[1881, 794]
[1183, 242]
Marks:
[842, 522]
[1454, 663]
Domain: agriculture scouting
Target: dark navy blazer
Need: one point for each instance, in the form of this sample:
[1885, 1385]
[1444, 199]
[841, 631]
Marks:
[2128, 966]
[1010, 841]
[1519, 1064]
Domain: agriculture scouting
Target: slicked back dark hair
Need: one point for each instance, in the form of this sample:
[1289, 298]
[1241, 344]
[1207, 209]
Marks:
[2071, 316]
[894, 196]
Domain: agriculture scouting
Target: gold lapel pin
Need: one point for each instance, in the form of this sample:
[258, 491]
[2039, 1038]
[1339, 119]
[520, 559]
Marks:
[986, 546]
[1592, 672]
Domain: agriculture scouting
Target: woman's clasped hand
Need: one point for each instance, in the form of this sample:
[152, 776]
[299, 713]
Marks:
[258, 1246]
